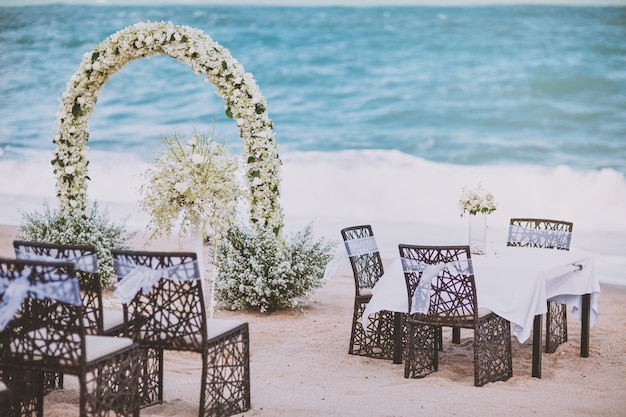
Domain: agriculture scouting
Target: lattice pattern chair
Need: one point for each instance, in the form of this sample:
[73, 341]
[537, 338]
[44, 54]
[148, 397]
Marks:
[441, 290]
[85, 259]
[43, 331]
[165, 310]
[550, 234]
[367, 267]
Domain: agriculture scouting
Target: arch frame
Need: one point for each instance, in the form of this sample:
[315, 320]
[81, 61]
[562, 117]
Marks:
[243, 100]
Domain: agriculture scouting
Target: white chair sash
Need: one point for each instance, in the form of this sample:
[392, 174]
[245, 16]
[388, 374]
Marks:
[66, 290]
[420, 302]
[361, 246]
[142, 278]
[541, 237]
[86, 262]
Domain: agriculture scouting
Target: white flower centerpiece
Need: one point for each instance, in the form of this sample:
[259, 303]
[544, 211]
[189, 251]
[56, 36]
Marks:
[478, 203]
[191, 186]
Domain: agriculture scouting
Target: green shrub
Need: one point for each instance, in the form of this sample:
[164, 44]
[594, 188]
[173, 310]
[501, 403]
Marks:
[89, 227]
[258, 270]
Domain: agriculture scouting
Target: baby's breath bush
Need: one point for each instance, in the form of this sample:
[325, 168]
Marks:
[256, 269]
[88, 227]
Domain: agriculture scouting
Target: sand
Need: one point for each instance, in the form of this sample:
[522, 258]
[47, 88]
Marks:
[300, 367]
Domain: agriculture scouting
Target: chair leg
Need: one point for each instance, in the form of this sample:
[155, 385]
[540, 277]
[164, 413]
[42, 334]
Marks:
[112, 386]
[440, 338]
[422, 357]
[26, 391]
[225, 387]
[383, 336]
[556, 326]
[456, 335]
[150, 377]
[357, 334]
[375, 342]
[6, 403]
[52, 381]
[492, 350]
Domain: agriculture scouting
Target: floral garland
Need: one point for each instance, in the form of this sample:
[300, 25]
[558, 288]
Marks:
[476, 200]
[243, 102]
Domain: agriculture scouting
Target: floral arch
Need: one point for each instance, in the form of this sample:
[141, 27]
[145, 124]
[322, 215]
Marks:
[243, 103]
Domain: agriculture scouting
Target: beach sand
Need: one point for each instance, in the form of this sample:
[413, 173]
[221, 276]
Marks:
[300, 367]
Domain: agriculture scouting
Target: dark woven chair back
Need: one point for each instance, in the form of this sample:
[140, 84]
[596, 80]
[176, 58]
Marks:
[540, 233]
[367, 266]
[449, 295]
[85, 260]
[47, 335]
[172, 314]
[29, 337]
[549, 234]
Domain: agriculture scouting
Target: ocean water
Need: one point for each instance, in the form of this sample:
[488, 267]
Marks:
[382, 114]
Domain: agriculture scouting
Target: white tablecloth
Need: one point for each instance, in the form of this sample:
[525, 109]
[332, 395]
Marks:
[515, 284]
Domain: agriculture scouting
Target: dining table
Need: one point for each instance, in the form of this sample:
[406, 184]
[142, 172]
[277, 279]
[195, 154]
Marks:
[515, 283]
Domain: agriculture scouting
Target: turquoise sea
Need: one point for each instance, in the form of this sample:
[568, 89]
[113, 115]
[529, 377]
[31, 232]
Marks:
[462, 85]
[382, 114]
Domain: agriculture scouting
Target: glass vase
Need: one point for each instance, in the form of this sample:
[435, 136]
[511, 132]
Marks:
[197, 244]
[478, 233]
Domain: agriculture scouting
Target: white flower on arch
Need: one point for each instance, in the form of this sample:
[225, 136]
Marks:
[243, 103]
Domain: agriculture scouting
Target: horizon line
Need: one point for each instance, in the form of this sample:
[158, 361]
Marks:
[316, 3]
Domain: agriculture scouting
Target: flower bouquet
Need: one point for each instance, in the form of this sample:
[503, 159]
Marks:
[192, 186]
[478, 203]
[476, 200]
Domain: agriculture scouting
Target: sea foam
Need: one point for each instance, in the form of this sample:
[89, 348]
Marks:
[407, 199]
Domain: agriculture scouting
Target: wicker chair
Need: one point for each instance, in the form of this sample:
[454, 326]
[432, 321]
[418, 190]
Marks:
[441, 291]
[172, 316]
[47, 334]
[84, 257]
[550, 234]
[367, 267]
